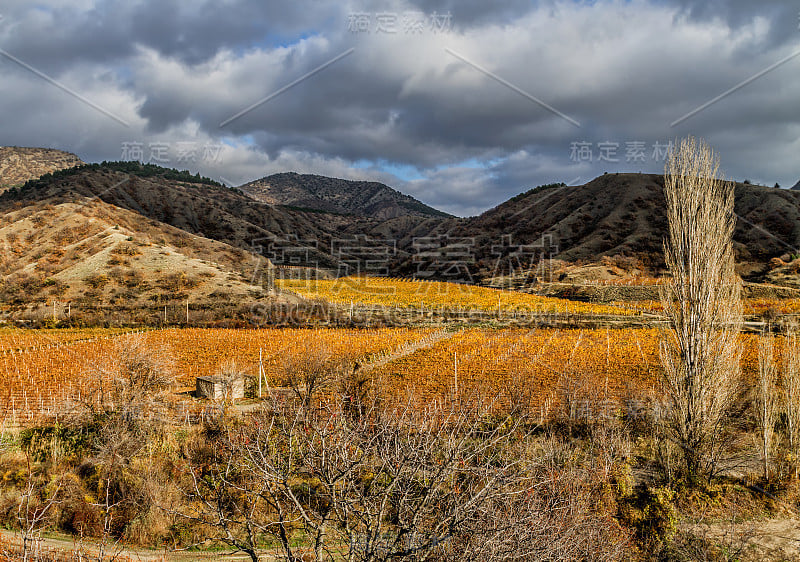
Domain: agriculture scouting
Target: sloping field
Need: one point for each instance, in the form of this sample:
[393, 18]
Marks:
[44, 380]
[434, 294]
[542, 368]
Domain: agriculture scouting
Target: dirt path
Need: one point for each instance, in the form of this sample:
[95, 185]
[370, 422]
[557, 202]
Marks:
[771, 539]
[65, 545]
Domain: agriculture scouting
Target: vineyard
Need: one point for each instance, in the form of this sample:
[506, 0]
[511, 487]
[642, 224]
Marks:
[42, 379]
[19, 339]
[781, 306]
[537, 365]
[752, 306]
[543, 367]
[399, 293]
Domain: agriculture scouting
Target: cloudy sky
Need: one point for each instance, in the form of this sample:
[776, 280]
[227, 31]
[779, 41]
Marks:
[461, 104]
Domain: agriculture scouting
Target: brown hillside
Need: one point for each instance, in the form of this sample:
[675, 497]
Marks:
[613, 215]
[622, 214]
[207, 211]
[18, 165]
[219, 213]
[91, 254]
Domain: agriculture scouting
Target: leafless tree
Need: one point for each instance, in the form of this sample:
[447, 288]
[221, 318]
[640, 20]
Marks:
[136, 375]
[108, 548]
[224, 498]
[554, 518]
[703, 304]
[766, 403]
[393, 483]
[128, 421]
[791, 393]
[142, 371]
[36, 507]
[311, 368]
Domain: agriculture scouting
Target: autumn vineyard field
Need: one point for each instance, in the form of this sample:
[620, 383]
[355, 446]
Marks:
[755, 306]
[436, 295]
[48, 371]
[416, 294]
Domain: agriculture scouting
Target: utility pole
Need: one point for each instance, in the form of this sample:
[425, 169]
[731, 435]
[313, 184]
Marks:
[260, 370]
[455, 370]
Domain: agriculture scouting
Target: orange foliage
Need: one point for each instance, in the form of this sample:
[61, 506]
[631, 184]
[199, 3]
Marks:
[40, 380]
[380, 291]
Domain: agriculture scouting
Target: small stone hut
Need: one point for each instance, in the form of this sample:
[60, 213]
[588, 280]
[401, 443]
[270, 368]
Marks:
[220, 388]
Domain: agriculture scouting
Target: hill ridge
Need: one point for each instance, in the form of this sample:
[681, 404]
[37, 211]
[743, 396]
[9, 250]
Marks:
[20, 164]
[354, 197]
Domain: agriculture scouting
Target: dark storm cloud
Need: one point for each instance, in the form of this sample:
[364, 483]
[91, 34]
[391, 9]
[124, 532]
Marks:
[50, 35]
[626, 71]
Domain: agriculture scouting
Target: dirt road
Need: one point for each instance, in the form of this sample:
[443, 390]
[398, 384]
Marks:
[65, 545]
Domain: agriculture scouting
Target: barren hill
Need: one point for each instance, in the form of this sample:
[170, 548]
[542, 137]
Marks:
[362, 198]
[18, 165]
[94, 231]
[619, 215]
[195, 205]
[200, 207]
[90, 253]
[98, 238]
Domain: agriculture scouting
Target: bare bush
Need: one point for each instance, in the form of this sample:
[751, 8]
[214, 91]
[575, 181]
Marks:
[445, 482]
[312, 368]
[702, 302]
[563, 512]
[142, 368]
[35, 509]
[130, 422]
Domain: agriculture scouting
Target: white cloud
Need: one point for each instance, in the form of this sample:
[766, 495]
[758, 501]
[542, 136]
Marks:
[624, 70]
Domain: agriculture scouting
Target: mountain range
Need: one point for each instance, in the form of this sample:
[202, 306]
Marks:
[124, 232]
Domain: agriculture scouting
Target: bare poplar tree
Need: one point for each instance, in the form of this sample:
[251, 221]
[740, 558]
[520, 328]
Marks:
[791, 393]
[702, 302]
[766, 403]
